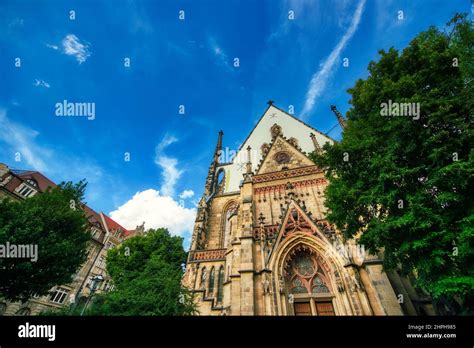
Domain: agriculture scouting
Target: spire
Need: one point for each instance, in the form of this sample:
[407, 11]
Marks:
[249, 161]
[317, 147]
[218, 150]
[208, 188]
[248, 173]
[340, 118]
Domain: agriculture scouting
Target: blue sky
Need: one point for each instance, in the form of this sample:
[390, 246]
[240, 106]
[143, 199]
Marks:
[177, 62]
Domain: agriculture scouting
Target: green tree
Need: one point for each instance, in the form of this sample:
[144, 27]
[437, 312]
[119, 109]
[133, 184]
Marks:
[55, 223]
[404, 184]
[146, 273]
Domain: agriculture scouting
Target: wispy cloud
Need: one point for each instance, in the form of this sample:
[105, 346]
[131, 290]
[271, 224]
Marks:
[37, 156]
[22, 140]
[168, 165]
[41, 83]
[221, 57]
[54, 47]
[320, 78]
[165, 142]
[72, 46]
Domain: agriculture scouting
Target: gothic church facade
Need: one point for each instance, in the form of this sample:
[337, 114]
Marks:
[261, 244]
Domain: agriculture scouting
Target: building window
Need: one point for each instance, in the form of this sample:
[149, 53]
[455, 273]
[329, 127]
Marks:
[59, 295]
[26, 191]
[101, 262]
[211, 282]
[32, 182]
[220, 285]
[230, 221]
[305, 275]
[203, 277]
[95, 233]
[23, 311]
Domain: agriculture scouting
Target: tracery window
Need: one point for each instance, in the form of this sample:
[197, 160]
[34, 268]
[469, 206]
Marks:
[304, 275]
[211, 282]
[230, 222]
[220, 285]
[203, 278]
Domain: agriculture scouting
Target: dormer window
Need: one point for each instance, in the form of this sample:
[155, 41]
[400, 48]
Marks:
[26, 191]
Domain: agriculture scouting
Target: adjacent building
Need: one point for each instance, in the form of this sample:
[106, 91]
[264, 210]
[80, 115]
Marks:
[105, 234]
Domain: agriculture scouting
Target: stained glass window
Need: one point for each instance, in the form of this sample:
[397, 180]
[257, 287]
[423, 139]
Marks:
[203, 277]
[298, 287]
[304, 265]
[211, 282]
[318, 285]
[220, 285]
[303, 274]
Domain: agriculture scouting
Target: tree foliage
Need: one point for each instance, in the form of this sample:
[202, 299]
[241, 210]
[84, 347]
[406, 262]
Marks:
[146, 273]
[60, 233]
[406, 183]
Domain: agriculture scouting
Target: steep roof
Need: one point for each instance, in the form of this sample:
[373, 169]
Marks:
[42, 181]
[291, 127]
[112, 225]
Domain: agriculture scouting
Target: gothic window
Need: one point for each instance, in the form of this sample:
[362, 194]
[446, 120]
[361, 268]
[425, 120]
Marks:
[211, 282]
[220, 182]
[203, 277]
[303, 273]
[230, 222]
[220, 285]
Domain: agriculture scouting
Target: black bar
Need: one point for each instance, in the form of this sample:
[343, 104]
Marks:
[290, 331]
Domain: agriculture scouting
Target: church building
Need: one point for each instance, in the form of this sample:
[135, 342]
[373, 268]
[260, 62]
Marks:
[261, 244]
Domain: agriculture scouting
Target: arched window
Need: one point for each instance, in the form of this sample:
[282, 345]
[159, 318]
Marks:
[230, 223]
[203, 278]
[211, 282]
[304, 275]
[220, 182]
[220, 285]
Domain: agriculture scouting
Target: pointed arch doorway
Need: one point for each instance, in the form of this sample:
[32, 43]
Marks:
[307, 284]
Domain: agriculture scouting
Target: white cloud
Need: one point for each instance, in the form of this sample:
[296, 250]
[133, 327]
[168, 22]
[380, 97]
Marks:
[170, 173]
[186, 194]
[41, 83]
[157, 211]
[320, 78]
[72, 46]
[168, 165]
